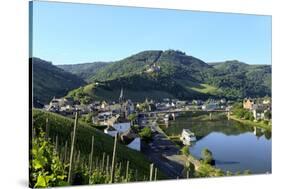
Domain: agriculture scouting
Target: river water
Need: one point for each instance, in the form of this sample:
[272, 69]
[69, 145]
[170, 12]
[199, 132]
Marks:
[235, 147]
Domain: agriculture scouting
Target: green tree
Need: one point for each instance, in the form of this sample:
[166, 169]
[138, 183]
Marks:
[146, 134]
[132, 117]
[185, 150]
[207, 156]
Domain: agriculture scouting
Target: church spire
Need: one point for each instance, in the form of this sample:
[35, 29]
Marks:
[121, 97]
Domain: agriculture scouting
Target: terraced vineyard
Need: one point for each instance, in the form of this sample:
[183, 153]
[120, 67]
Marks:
[59, 130]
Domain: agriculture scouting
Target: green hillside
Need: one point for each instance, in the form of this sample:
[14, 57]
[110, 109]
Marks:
[49, 81]
[140, 87]
[239, 79]
[85, 70]
[176, 75]
[157, 74]
[62, 127]
[173, 64]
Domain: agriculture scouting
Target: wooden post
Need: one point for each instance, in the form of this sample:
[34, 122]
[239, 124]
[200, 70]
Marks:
[91, 156]
[102, 163]
[47, 128]
[151, 172]
[57, 143]
[72, 148]
[107, 165]
[113, 160]
[155, 175]
[127, 171]
[65, 152]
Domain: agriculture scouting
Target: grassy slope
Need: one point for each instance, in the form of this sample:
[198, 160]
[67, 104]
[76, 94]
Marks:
[49, 80]
[63, 126]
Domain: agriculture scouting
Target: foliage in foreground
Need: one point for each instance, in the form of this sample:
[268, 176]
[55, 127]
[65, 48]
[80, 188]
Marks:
[54, 147]
[46, 168]
[146, 134]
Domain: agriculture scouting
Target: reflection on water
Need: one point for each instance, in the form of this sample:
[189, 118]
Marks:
[235, 146]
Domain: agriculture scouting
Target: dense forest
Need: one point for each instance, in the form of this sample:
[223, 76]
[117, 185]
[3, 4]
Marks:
[49, 81]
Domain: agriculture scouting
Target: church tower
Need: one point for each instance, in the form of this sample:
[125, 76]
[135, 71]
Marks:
[121, 97]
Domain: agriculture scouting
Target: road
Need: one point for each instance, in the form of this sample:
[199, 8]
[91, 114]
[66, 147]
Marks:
[164, 154]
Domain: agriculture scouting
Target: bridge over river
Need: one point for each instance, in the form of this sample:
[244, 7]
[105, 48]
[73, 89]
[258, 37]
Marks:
[173, 112]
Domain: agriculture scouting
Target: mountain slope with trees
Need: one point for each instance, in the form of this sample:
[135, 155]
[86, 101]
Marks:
[49, 81]
[239, 79]
[173, 74]
[84, 70]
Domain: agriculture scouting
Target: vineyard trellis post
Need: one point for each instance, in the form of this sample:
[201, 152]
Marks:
[47, 128]
[113, 160]
[103, 159]
[127, 171]
[91, 156]
[72, 148]
[151, 172]
[65, 152]
[57, 143]
[107, 165]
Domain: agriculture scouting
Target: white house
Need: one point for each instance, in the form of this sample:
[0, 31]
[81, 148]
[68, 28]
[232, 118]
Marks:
[187, 136]
[122, 127]
[135, 144]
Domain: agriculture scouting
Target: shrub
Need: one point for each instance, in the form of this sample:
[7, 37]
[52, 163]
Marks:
[45, 166]
[146, 134]
[265, 122]
[185, 150]
[207, 156]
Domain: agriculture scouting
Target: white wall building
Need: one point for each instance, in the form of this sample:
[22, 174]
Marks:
[122, 127]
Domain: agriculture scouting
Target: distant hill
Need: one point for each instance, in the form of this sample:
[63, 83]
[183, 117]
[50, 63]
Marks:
[150, 74]
[175, 64]
[241, 79]
[50, 81]
[173, 74]
[157, 74]
[85, 70]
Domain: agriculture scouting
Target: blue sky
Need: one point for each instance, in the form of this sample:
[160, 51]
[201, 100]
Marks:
[68, 33]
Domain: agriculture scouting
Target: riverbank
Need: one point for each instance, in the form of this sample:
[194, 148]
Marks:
[203, 169]
[251, 123]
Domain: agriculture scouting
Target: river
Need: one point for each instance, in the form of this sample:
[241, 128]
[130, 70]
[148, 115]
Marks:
[235, 147]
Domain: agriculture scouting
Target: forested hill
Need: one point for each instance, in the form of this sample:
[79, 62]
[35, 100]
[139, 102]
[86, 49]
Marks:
[157, 74]
[175, 64]
[49, 81]
[242, 79]
[85, 70]
[153, 74]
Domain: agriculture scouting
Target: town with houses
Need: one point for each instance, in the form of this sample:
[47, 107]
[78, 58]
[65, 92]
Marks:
[115, 116]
